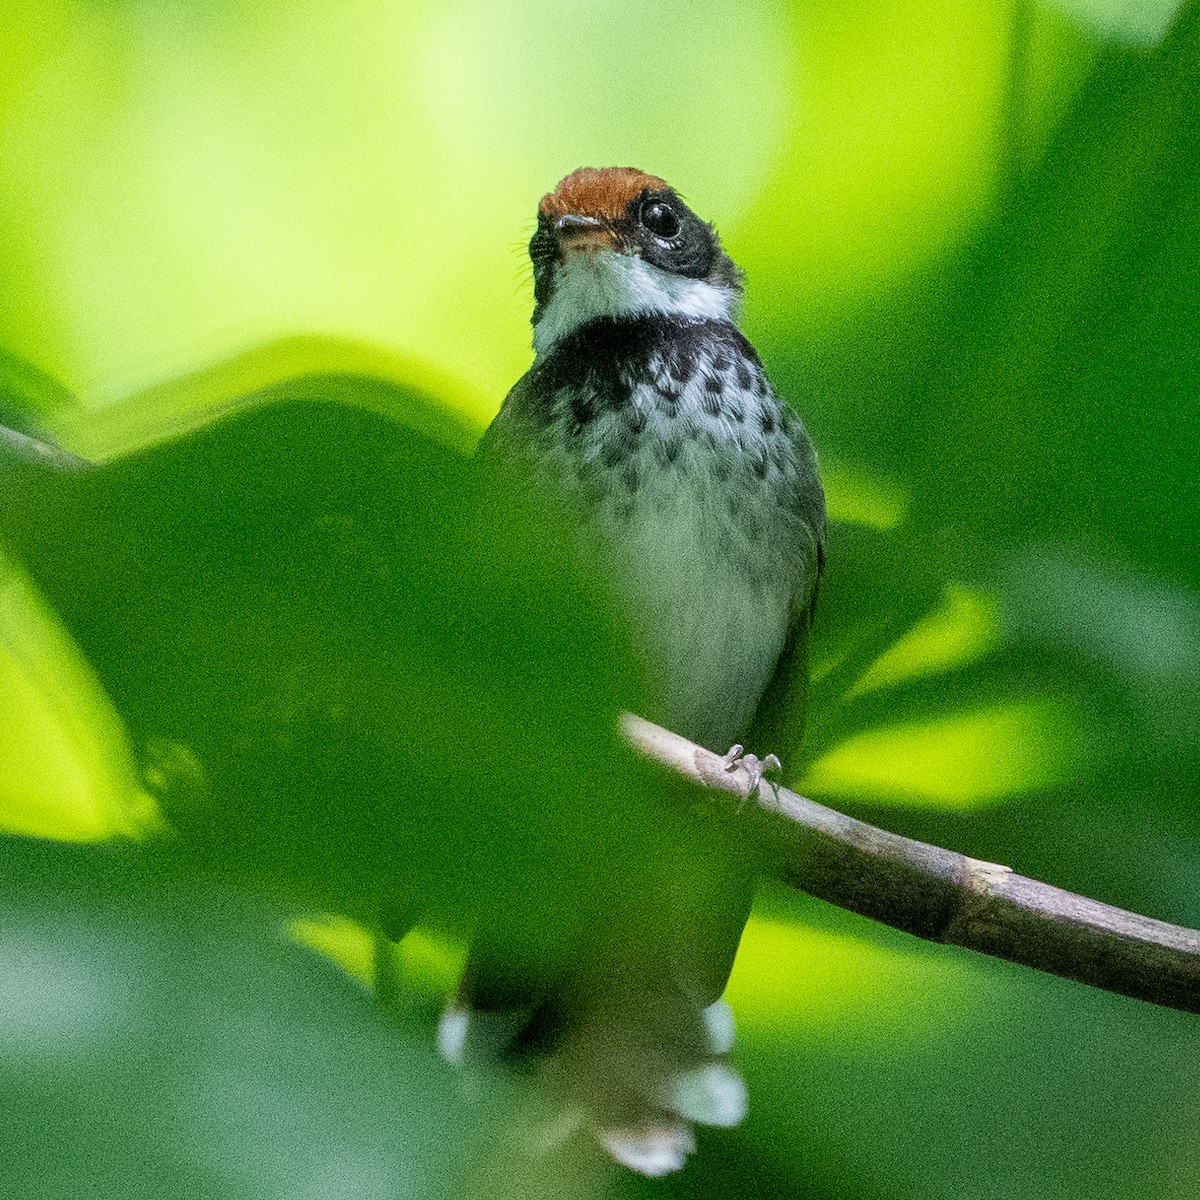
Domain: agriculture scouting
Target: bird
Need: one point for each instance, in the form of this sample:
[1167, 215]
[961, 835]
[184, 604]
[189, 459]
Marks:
[694, 493]
[283, 602]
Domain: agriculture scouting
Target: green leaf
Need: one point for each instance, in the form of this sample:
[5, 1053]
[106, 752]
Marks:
[348, 671]
[159, 1037]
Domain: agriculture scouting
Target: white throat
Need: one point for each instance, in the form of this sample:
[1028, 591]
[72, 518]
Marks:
[603, 283]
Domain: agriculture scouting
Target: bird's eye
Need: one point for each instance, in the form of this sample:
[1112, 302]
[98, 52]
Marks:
[660, 219]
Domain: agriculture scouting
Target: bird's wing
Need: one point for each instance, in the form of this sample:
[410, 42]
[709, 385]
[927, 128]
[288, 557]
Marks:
[778, 725]
[509, 435]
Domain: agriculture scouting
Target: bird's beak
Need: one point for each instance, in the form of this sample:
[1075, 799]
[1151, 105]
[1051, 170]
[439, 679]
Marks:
[578, 234]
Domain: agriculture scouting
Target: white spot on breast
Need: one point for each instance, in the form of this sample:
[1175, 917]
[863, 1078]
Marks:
[698, 507]
[689, 549]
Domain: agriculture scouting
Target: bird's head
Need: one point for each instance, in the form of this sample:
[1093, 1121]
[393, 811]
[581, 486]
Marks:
[616, 242]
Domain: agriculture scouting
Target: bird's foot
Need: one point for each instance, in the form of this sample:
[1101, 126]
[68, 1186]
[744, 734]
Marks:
[756, 768]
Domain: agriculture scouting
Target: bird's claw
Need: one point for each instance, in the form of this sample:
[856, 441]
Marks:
[756, 768]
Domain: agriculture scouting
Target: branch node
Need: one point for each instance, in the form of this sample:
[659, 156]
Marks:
[983, 878]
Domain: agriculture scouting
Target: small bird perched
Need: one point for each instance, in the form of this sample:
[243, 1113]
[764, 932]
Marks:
[649, 413]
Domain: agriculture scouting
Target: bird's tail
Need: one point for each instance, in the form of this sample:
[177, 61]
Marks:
[638, 1068]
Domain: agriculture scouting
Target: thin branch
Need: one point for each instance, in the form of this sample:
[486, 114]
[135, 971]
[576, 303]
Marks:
[944, 896]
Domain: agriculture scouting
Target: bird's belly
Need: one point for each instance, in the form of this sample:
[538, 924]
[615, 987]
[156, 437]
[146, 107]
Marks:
[708, 621]
[688, 490]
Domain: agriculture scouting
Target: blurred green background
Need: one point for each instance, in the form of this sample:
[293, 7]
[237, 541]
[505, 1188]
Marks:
[970, 234]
